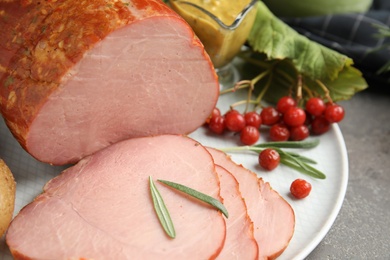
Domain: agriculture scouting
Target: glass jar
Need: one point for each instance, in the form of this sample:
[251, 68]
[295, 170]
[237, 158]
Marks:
[222, 26]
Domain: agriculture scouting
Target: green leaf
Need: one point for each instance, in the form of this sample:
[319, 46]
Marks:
[196, 194]
[277, 40]
[284, 75]
[161, 210]
[349, 81]
[289, 54]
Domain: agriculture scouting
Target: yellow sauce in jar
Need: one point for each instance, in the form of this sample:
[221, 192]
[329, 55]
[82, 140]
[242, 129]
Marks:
[222, 44]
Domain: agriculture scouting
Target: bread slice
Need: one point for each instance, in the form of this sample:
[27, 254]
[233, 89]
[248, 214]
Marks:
[7, 196]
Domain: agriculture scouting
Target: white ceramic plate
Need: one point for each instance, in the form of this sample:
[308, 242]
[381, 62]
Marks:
[314, 214]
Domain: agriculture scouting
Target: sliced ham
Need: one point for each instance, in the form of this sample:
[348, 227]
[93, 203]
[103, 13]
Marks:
[77, 76]
[240, 242]
[101, 208]
[272, 216]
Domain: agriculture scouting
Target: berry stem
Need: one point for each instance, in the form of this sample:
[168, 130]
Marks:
[308, 90]
[325, 89]
[251, 85]
[299, 89]
[250, 91]
[263, 91]
[242, 102]
[260, 76]
[239, 85]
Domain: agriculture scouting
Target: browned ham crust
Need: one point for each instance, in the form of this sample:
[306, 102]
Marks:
[77, 76]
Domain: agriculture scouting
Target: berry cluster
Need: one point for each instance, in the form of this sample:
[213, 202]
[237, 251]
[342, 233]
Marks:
[247, 124]
[286, 121]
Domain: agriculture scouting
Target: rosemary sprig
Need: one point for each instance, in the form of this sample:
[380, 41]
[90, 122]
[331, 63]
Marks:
[161, 210]
[287, 144]
[293, 160]
[196, 194]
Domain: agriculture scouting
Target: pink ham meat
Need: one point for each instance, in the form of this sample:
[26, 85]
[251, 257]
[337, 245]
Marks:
[101, 208]
[240, 242]
[77, 76]
[272, 216]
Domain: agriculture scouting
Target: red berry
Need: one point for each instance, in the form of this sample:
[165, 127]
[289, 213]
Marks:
[320, 125]
[334, 113]
[299, 133]
[269, 159]
[269, 116]
[216, 112]
[234, 121]
[279, 132]
[233, 111]
[315, 106]
[285, 103]
[252, 118]
[295, 116]
[249, 135]
[300, 188]
[217, 124]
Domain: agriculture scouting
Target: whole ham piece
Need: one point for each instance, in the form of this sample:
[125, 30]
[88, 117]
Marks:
[101, 208]
[77, 76]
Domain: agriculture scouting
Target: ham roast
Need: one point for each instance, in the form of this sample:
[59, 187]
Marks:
[272, 216]
[77, 76]
[101, 208]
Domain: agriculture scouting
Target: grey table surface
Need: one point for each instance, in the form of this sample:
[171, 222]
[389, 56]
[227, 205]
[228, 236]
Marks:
[362, 228]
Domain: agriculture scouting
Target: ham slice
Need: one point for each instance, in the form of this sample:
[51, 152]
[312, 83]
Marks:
[272, 216]
[240, 242]
[77, 76]
[101, 208]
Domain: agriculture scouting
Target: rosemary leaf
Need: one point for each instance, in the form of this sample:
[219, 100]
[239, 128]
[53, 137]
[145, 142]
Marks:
[161, 210]
[196, 194]
[293, 158]
[307, 169]
[303, 158]
[290, 144]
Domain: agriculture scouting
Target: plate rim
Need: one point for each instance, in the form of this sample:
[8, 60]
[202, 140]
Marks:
[340, 197]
